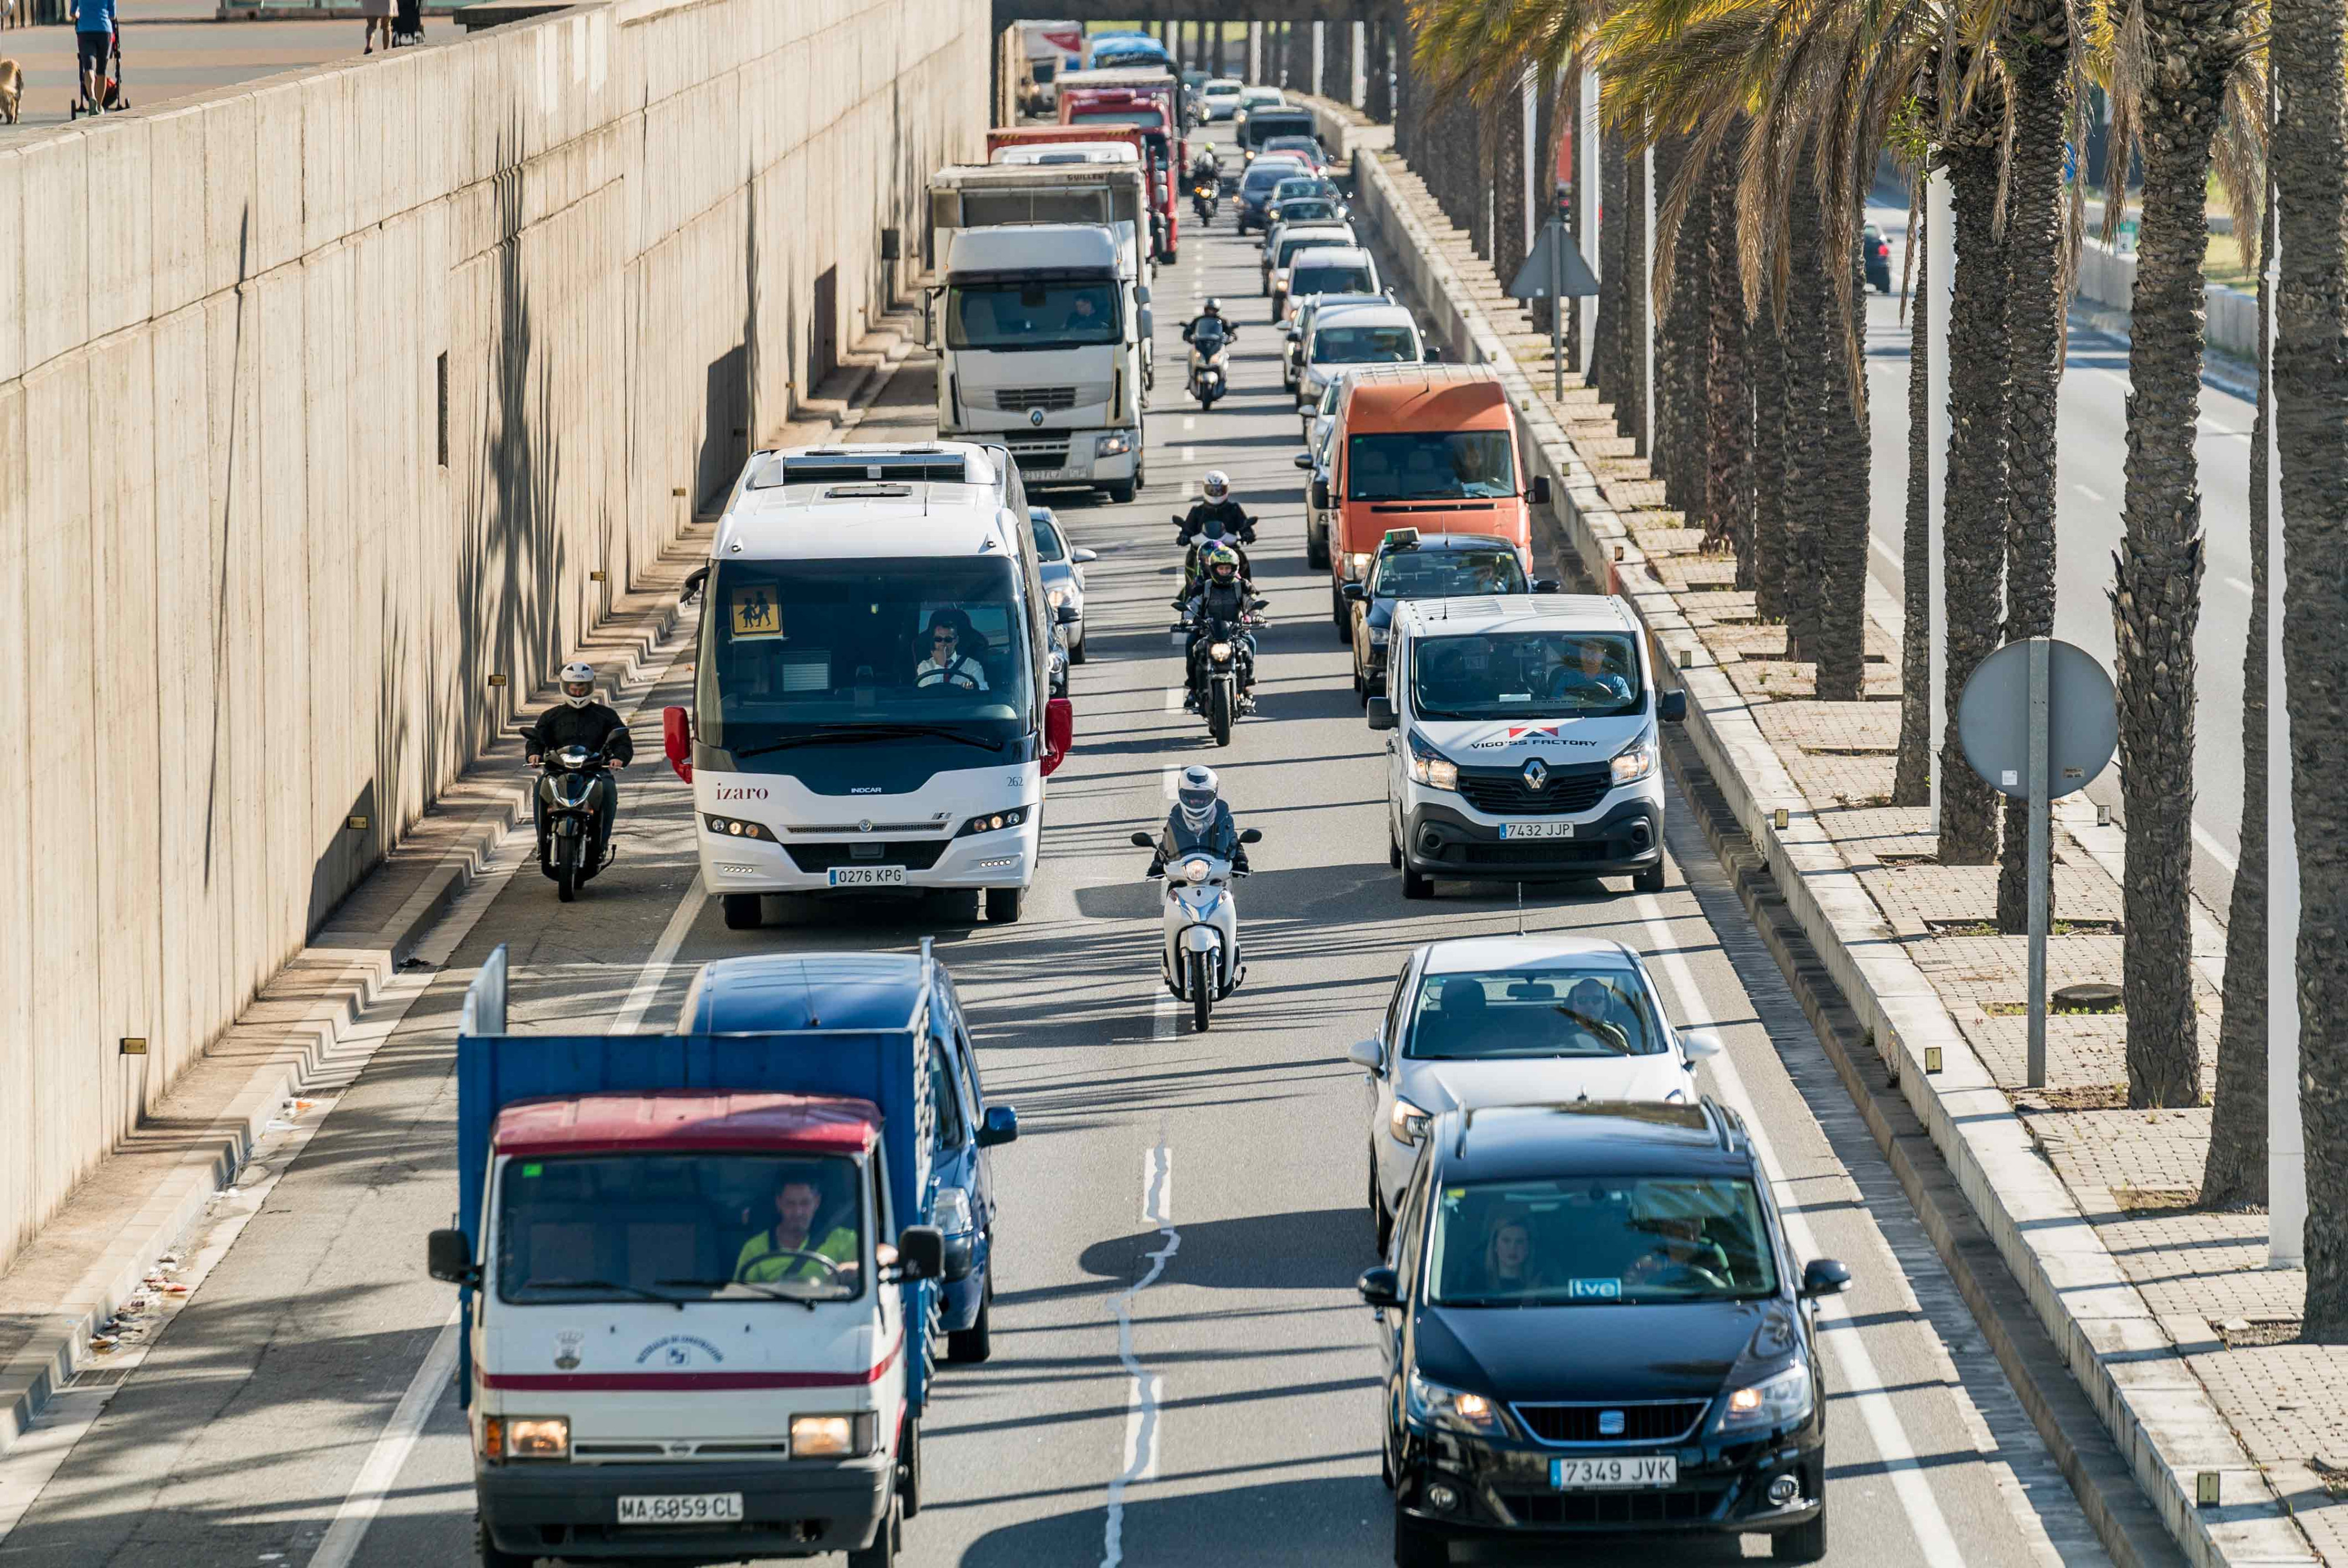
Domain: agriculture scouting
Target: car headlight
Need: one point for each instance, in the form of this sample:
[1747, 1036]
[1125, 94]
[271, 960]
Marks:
[841, 1436]
[1056, 596]
[1196, 871]
[952, 1212]
[525, 1438]
[1219, 650]
[1406, 1123]
[1779, 1401]
[1431, 767]
[1635, 762]
[1114, 444]
[1355, 565]
[1377, 636]
[1437, 1405]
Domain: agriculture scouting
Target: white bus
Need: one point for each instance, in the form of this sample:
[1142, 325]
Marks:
[872, 711]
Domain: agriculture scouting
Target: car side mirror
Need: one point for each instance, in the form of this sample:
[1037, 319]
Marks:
[1067, 615]
[1380, 1286]
[1697, 1044]
[1353, 593]
[1143, 841]
[1321, 492]
[1000, 1125]
[1367, 1053]
[676, 740]
[1824, 1276]
[1538, 494]
[1251, 836]
[1083, 557]
[921, 1253]
[1305, 461]
[1672, 707]
[1434, 355]
[1545, 585]
[448, 1255]
[1382, 713]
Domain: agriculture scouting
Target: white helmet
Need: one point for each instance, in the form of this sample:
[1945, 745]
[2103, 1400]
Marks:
[578, 679]
[1195, 796]
[1216, 486]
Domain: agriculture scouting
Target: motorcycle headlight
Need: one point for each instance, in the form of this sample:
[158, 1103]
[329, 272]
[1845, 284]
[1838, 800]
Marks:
[1635, 762]
[1114, 444]
[1406, 1124]
[1782, 1401]
[1219, 650]
[1196, 871]
[1435, 1405]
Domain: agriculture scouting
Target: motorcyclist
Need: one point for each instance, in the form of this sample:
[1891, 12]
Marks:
[1200, 820]
[1206, 166]
[1223, 595]
[581, 721]
[1215, 504]
[1212, 312]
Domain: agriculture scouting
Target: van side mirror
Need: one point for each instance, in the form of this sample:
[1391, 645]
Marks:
[1434, 355]
[1321, 492]
[1672, 707]
[1305, 461]
[676, 740]
[1251, 836]
[1824, 1276]
[1380, 1286]
[1000, 1125]
[921, 1253]
[1540, 492]
[1382, 713]
[448, 1255]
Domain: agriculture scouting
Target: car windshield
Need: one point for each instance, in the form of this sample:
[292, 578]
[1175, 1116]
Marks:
[1595, 1009]
[1599, 1240]
[1261, 177]
[1295, 186]
[1019, 315]
[1329, 280]
[798, 651]
[1428, 465]
[1047, 540]
[1289, 244]
[1446, 574]
[1307, 209]
[1526, 675]
[700, 1227]
[1304, 146]
[1363, 345]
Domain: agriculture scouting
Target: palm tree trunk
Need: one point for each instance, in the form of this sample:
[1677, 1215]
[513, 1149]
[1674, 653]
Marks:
[1337, 67]
[2310, 149]
[1544, 153]
[1508, 155]
[1406, 112]
[1639, 325]
[1617, 291]
[1974, 531]
[1479, 197]
[1684, 346]
[2038, 42]
[1766, 341]
[1840, 547]
[2234, 1172]
[1911, 775]
[1378, 90]
[1810, 359]
[1728, 445]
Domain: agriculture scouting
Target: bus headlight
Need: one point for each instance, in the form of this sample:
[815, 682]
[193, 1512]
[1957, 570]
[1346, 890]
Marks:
[994, 821]
[734, 828]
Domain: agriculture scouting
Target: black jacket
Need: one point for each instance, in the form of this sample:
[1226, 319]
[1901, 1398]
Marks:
[1216, 601]
[1219, 837]
[1236, 524]
[591, 726]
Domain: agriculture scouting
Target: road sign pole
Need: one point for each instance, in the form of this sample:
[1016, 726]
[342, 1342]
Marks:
[1556, 233]
[2041, 652]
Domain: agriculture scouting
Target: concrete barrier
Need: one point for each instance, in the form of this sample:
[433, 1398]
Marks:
[2108, 278]
[338, 406]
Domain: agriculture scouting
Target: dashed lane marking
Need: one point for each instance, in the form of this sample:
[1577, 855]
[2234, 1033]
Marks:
[1143, 1388]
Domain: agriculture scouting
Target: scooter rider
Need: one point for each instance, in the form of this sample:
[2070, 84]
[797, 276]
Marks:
[581, 721]
[1215, 504]
[1223, 595]
[1200, 820]
[1213, 312]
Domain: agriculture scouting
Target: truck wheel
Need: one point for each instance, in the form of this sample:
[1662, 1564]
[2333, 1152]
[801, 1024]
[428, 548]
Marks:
[968, 1347]
[882, 1552]
[1650, 880]
[743, 911]
[1004, 904]
[1121, 492]
[489, 1554]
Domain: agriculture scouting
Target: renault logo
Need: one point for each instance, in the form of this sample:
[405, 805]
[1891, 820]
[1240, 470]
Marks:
[1535, 774]
[1036, 417]
[864, 827]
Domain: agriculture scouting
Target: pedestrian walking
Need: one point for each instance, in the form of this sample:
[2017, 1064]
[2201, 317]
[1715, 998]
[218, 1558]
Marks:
[94, 49]
[378, 16]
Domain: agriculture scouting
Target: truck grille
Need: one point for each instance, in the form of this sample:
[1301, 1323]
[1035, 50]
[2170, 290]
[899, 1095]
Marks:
[1039, 454]
[1020, 399]
[915, 855]
[1660, 1424]
[1502, 792]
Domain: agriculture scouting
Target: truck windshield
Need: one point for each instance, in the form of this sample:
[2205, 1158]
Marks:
[1040, 204]
[1363, 345]
[1151, 119]
[1599, 1241]
[693, 1227]
[1430, 466]
[805, 650]
[1019, 315]
[1527, 675]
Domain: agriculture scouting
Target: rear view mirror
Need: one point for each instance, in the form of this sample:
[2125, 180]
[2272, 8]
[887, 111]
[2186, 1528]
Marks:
[1148, 323]
[1251, 836]
[1380, 1286]
[1381, 714]
[1434, 353]
[1824, 1276]
[921, 1253]
[1367, 1053]
[1540, 492]
[1142, 840]
[1321, 492]
[448, 1255]
[1257, 603]
[1067, 615]
[676, 740]
[1697, 1044]
[1353, 593]
[1001, 1125]
[1672, 707]
[1305, 461]
[1545, 585]
[1060, 732]
[1083, 557]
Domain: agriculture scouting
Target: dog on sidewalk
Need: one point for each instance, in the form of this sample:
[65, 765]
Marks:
[11, 90]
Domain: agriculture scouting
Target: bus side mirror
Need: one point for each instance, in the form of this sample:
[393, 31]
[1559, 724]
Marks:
[1540, 492]
[676, 740]
[1059, 733]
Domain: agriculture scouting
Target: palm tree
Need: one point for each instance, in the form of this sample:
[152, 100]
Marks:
[2311, 382]
[1911, 780]
[1728, 413]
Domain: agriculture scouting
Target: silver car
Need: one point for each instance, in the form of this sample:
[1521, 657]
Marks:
[1062, 568]
[1514, 1020]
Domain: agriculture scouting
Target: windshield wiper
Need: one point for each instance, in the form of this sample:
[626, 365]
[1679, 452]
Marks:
[637, 1291]
[848, 733]
[762, 1287]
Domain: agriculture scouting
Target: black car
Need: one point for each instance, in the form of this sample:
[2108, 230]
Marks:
[1255, 187]
[1594, 1324]
[1875, 255]
[1411, 565]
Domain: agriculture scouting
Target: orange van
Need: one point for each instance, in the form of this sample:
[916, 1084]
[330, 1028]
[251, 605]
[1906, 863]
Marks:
[1424, 447]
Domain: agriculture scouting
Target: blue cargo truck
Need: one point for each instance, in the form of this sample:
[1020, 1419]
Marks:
[700, 1272]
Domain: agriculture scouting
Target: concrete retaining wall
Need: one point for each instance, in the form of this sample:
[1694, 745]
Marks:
[2108, 278]
[327, 400]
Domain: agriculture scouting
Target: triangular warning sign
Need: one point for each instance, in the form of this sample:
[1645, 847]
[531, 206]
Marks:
[1534, 279]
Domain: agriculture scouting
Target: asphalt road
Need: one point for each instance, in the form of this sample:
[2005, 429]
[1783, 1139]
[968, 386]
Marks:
[260, 1427]
[2091, 427]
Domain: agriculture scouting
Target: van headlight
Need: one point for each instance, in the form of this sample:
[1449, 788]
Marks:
[843, 1436]
[1431, 767]
[1355, 565]
[507, 1438]
[1635, 762]
[1783, 1400]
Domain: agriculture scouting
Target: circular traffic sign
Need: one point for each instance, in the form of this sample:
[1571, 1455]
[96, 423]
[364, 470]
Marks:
[2083, 721]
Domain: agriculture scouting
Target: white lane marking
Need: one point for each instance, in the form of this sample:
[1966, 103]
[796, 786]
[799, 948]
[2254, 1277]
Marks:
[2218, 852]
[1172, 779]
[1165, 1015]
[1189, 422]
[385, 1461]
[1862, 1382]
[1174, 695]
[1141, 1420]
[646, 989]
[2090, 494]
[1891, 558]
[2238, 586]
[1189, 453]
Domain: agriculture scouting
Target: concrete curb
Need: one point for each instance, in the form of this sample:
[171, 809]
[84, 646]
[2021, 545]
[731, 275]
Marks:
[352, 965]
[2121, 1354]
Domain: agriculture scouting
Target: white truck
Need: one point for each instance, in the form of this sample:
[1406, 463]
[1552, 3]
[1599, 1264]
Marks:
[1040, 328]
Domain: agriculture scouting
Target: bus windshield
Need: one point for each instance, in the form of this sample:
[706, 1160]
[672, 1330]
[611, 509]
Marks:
[1031, 315]
[798, 651]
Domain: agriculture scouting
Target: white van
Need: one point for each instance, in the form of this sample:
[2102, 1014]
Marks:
[1524, 744]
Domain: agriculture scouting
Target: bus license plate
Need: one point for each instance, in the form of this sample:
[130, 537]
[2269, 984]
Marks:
[1536, 830]
[707, 1508]
[868, 877]
[1600, 1474]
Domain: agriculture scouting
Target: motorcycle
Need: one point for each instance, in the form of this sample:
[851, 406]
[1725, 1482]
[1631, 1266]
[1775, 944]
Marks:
[1211, 366]
[1200, 962]
[1204, 196]
[1225, 677]
[575, 784]
[1190, 555]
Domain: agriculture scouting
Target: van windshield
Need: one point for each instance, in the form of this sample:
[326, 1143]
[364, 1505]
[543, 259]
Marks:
[1526, 675]
[802, 651]
[1292, 243]
[1599, 1240]
[1018, 315]
[699, 1227]
[1430, 466]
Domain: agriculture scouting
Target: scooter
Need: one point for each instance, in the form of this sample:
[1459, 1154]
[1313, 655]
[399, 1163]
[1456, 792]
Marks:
[576, 785]
[1210, 368]
[1201, 960]
[1226, 673]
